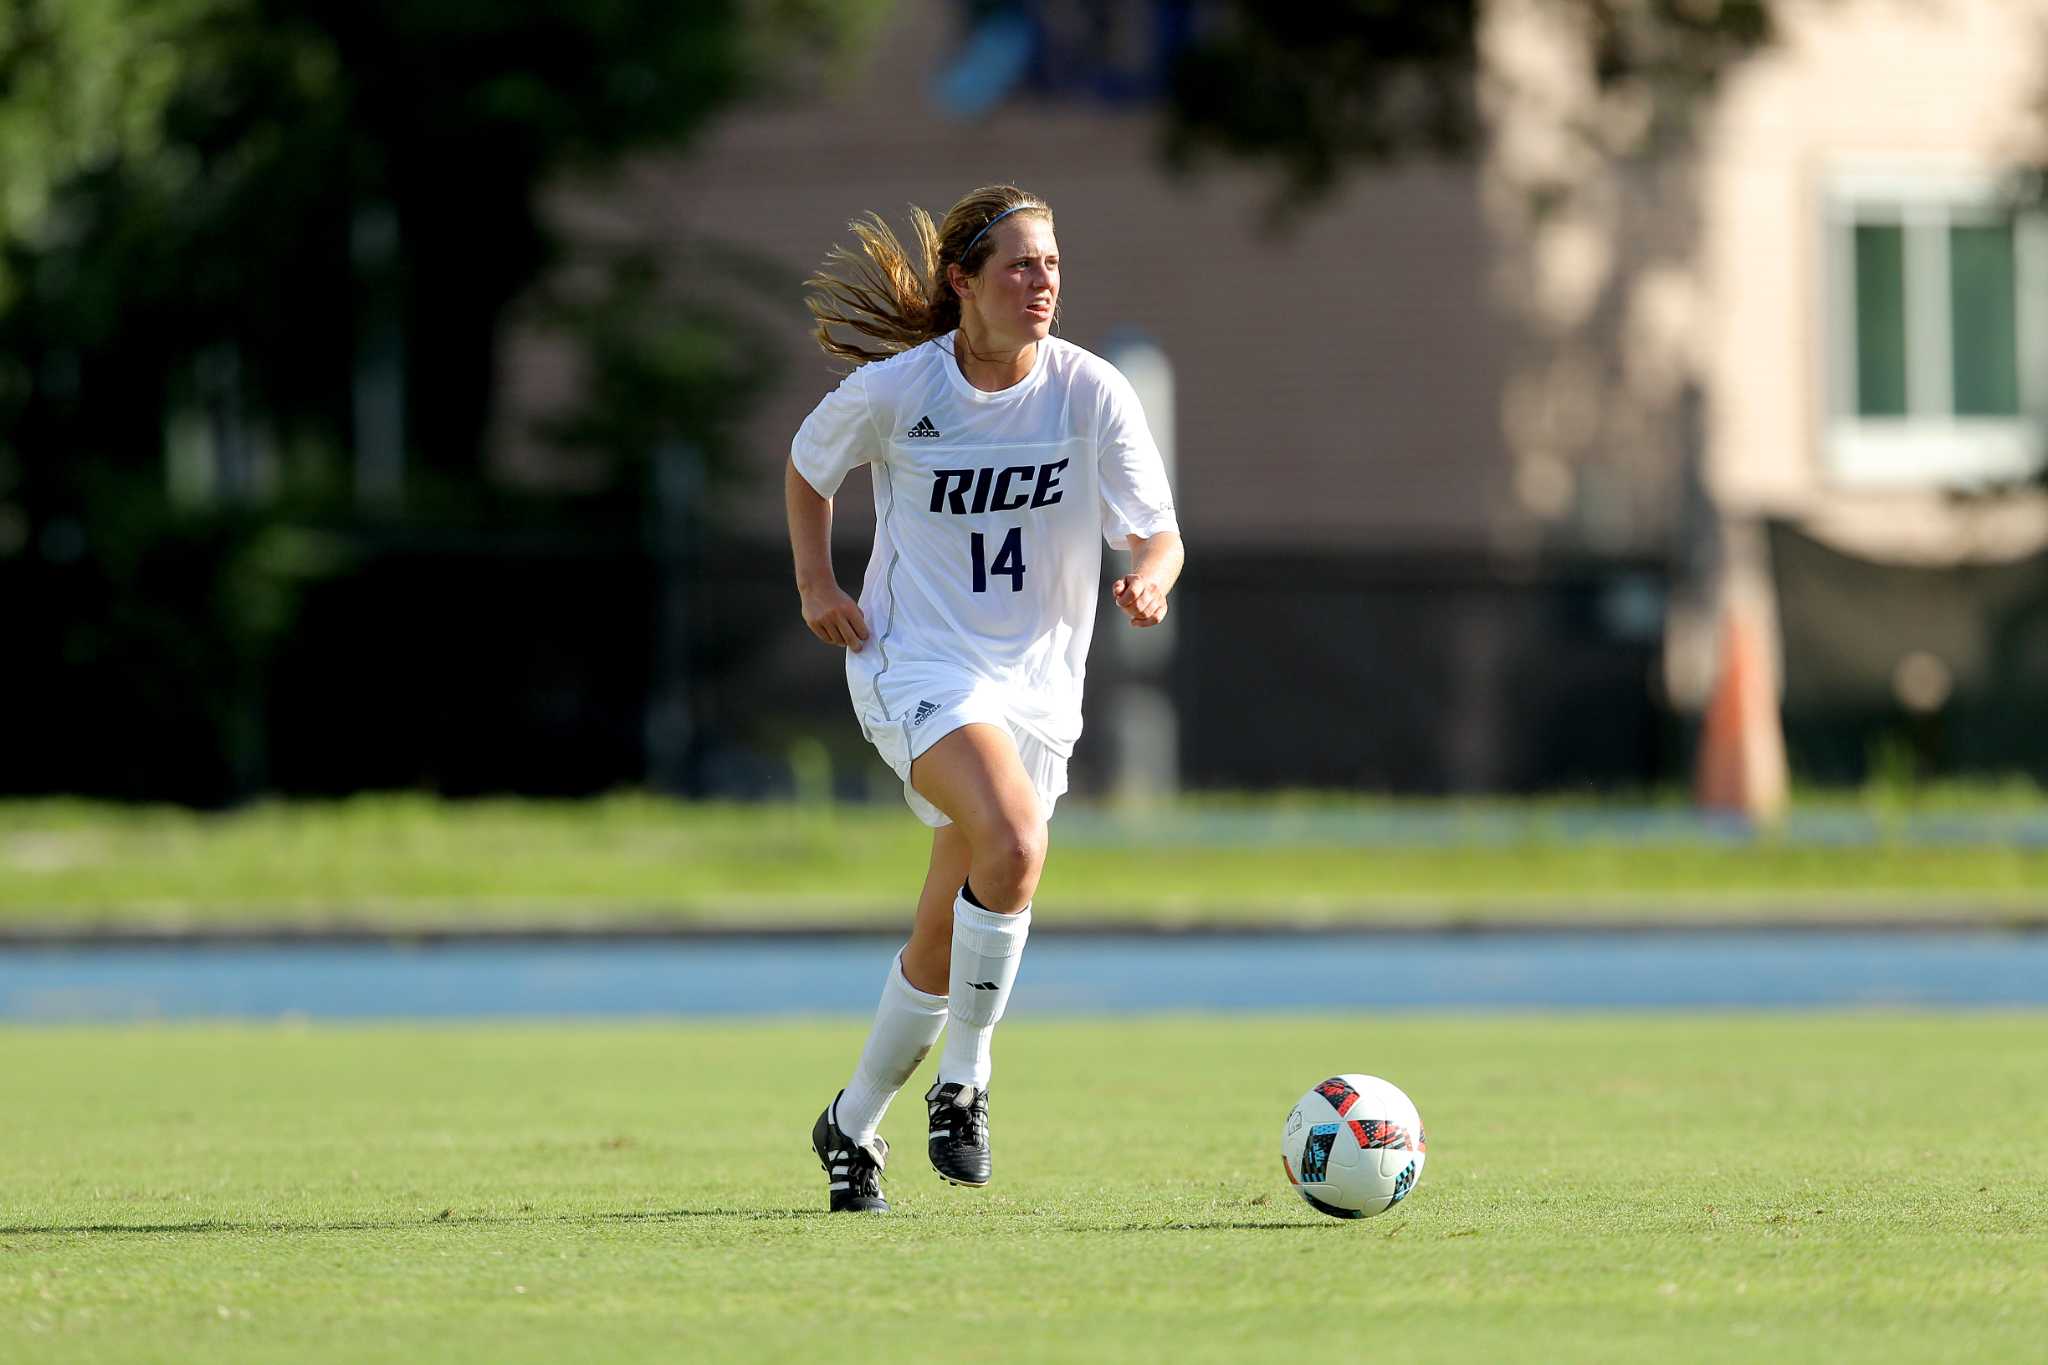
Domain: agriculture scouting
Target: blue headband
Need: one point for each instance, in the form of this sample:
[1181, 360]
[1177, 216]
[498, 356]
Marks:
[969, 251]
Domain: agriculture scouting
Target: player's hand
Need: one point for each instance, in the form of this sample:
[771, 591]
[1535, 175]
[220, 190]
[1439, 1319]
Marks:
[1142, 599]
[834, 617]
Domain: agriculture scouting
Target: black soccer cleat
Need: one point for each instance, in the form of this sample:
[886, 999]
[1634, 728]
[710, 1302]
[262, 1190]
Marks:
[958, 1140]
[855, 1173]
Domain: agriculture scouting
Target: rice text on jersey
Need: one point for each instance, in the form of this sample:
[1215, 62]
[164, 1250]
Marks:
[992, 487]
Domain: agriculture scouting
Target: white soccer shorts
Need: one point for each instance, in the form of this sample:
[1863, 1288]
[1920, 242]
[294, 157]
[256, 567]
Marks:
[916, 714]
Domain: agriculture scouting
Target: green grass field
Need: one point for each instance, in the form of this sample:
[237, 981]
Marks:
[1867, 1187]
[406, 863]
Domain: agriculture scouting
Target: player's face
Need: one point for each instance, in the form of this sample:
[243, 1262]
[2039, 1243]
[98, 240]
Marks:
[1018, 289]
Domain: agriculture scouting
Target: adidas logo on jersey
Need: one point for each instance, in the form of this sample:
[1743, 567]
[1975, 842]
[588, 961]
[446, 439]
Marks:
[925, 711]
[924, 427]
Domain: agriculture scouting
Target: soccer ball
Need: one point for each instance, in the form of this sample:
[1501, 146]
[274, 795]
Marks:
[1353, 1146]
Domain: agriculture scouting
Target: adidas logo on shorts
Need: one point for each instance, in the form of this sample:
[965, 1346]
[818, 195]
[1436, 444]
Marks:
[924, 427]
[925, 711]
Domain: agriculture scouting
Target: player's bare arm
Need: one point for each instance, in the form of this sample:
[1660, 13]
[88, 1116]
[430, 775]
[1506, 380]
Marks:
[831, 615]
[1155, 567]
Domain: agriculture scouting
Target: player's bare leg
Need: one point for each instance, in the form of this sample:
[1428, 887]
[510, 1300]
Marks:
[928, 957]
[976, 778]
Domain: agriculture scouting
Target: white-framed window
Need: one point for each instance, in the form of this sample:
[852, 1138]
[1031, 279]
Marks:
[1937, 330]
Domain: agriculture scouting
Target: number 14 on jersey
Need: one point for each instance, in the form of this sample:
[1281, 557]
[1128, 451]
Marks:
[1009, 559]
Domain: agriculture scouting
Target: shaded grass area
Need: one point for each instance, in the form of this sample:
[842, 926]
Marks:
[1851, 1187]
[405, 862]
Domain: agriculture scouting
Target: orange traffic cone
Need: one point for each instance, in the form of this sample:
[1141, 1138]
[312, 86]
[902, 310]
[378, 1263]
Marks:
[1742, 743]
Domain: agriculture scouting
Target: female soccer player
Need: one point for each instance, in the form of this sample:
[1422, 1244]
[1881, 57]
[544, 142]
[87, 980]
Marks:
[999, 453]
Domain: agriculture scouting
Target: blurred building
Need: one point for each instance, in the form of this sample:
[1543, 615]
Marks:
[1869, 316]
[1475, 458]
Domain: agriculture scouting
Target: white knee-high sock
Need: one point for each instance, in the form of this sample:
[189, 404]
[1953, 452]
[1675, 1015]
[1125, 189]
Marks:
[986, 949]
[907, 1023]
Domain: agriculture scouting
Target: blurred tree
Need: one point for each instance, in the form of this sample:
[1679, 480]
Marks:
[673, 355]
[254, 260]
[1320, 87]
[224, 212]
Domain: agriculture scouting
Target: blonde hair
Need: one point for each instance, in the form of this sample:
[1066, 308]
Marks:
[880, 290]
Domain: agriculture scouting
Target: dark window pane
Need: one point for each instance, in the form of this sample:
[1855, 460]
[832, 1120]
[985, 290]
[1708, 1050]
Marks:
[1984, 337]
[1880, 320]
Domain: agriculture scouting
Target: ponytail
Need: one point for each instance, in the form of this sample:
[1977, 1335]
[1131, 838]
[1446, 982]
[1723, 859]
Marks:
[878, 290]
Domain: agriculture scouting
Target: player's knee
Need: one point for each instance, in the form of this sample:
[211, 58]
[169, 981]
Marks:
[1011, 863]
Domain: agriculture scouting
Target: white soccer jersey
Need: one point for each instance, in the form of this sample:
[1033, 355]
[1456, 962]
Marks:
[987, 508]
